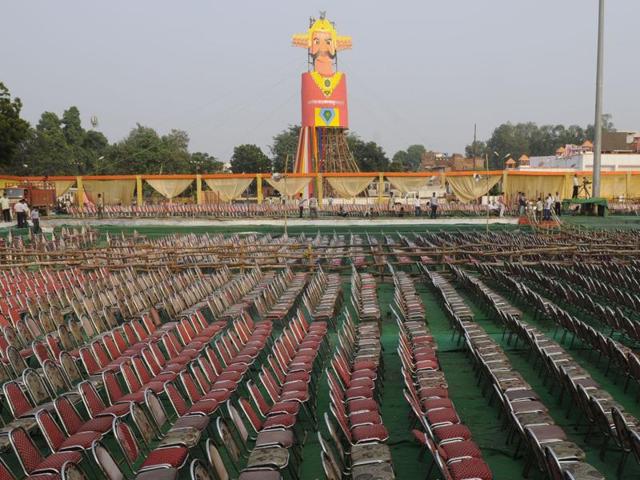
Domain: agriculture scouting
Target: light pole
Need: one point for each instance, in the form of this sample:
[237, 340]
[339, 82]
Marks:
[597, 144]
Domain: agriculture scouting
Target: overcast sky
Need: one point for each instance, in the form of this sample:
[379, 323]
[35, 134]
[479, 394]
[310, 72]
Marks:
[420, 71]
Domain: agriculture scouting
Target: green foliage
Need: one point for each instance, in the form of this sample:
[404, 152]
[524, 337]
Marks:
[13, 129]
[249, 159]
[532, 140]
[285, 144]
[408, 160]
[205, 163]
[369, 156]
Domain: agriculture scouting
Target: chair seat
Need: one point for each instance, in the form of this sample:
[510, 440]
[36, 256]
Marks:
[449, 432]
[260, 475]
[378, 471]
[370, 453]
[187, 437]
[279, 421]
[199, 422]
[80, 440]
[98, 424]
[291, 408]
[466, 448]
[54, 463]
[173, 457]
[443, 415]
[277, 457]
[470, 468]
[283, 438]
[370, 432]
[118, 410]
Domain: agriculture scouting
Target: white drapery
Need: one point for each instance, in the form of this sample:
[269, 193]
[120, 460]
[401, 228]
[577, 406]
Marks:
[228, 189]
[169, 188]
[349, 187]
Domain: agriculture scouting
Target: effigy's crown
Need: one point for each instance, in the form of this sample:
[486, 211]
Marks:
[304, 40]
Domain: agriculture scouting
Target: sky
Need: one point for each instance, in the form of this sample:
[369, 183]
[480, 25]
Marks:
[420, 71]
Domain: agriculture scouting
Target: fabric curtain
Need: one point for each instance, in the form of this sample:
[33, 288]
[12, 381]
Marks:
[613, 186]
[408, 184]
[228, 189]
[114, 192]
[62, 186]
[289, 186]
[469, 188]
[349, 187]
[169, 188]
[634, 187]
[535, 186]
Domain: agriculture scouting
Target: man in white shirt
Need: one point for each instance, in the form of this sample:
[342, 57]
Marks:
[418, 207]
[434, 205]
[576, 186]
[548, 205]
[21, 213]
[6, 208]
[313, 207]
[301, 203]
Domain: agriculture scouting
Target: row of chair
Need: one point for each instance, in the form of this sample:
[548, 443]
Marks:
[596, 405]
[364, 296]
[521, 406]
[358, 448]
[323, 296]
[443, 434]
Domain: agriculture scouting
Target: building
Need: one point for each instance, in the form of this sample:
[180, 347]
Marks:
[621, 142]
[442, 162]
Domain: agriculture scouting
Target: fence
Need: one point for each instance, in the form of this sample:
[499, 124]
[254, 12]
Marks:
[467, 186]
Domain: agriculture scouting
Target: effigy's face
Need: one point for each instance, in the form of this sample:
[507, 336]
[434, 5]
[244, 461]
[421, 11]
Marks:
[322, 45]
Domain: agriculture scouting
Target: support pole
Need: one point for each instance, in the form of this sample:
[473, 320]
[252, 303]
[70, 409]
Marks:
[597, 144]
[139, 199]
[80, 193]
[259, 188]
[319, 193]
[199, 189]
[380, 187]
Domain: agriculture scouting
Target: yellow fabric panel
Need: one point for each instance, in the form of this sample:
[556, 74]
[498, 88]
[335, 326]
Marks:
[470, 188]
[535, 186]
[169, 188]
[62, 186]
[228, 188]
[114, 192]
[408, 184]
[289, 186]
[634, 186]
[613, 186]
[349, 187]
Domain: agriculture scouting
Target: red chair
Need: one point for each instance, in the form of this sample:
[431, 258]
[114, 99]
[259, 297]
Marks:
[95, 406]
[72, 421]
[56, 438]
[32, 461]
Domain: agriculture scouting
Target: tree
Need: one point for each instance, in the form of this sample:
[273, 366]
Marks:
[285, 144]
[369, 156]
[408, 160]
[13, 129]
[205, 163]
[477, 148]
[72, 126]
[249, 159]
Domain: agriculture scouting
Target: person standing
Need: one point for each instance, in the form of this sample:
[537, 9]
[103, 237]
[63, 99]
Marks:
[301, 203]
[21, 213]
[558, 204]
[6, 208]
[313, 207]
[522, 204]
[35, 220]
[539, 208]
[100, 206]
[548, 205]
[434, 205]
[418, 207]
[576, 186]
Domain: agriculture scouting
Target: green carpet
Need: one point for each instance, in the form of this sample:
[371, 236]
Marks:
[573, 426]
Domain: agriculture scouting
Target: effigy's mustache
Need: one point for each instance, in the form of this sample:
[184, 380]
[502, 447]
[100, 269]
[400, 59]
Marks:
[323, 54]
